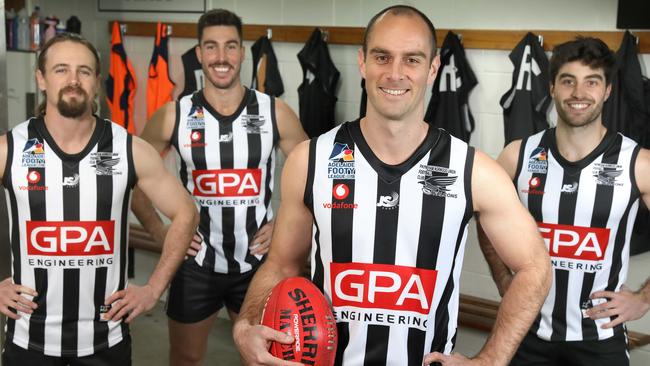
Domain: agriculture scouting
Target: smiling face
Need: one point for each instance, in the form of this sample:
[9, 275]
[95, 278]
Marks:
[397, 66]
[579, 93]
[221, 55]
[70, 79]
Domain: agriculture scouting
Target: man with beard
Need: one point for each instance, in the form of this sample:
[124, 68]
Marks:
[582, 184]
[225, 135]
[68, 176]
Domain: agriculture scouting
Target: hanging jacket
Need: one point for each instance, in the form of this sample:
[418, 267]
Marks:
[266, 75]
[364, 99]
[448, 107]
[192, 71]
[316, 94]
[159, 85]
[121, 82]
[526, 104]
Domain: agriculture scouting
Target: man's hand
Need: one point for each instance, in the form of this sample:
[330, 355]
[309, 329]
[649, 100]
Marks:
[262, 239]
[253, 342]
[195, 245]
[455, 359]
[627, 305]
[134, 300]
[13, 296]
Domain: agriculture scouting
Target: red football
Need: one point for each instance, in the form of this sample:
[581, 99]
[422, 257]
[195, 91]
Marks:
[297, 307]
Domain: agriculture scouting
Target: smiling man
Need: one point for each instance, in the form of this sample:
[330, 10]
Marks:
[383, 205]
[582, 184]
[226, 136]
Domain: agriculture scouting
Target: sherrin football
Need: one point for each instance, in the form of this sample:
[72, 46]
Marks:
[296, 306]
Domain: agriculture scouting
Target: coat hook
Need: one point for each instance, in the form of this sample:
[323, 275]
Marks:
[123, 29]
[169, 30]
[540, 38]
[269, 33]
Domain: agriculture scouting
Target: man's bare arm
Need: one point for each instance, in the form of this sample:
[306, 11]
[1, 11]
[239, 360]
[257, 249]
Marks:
[173, 201]
[289, 127]
[289, 250]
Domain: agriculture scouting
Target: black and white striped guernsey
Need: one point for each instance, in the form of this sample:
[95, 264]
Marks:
[227, 165]
[585, 212]
[68, 233]
[388, 243]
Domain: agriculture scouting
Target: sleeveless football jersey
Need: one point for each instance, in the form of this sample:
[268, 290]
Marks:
[585, 212]
[388, 243]
[227, 165]
[68, 233]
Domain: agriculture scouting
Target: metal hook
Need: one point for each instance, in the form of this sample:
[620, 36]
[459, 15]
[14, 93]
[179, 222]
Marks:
[169, 30]
[123, 29]
[540, 38]
[325, 34]
[269, 33]
[460, 37]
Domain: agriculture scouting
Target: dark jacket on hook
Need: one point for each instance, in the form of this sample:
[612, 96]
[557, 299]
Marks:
[266, 75]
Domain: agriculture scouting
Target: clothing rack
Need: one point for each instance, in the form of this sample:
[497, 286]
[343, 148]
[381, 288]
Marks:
[472, 38]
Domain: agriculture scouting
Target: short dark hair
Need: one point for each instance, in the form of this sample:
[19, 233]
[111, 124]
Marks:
[401, 10]
[591, 51]
[65, 37]
[219, 17]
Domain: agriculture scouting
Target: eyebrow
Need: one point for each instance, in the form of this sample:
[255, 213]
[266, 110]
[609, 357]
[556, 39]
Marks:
[378, 50]
[211, 42]
[68, 65]
[590, 76]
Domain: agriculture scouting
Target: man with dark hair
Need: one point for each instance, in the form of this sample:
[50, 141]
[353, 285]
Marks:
[226, 136]
[68, 175]
[582, 184]
[383, 204]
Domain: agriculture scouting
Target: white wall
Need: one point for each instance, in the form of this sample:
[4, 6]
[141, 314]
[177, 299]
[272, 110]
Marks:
[492, 68]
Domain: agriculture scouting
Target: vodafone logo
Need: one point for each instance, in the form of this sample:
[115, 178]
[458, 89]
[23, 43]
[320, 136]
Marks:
[382, 286]
[33, 177]
[340, 191]
[227, 182]
[70, 238]
[196, 136]
[534, 182]
[575, 242]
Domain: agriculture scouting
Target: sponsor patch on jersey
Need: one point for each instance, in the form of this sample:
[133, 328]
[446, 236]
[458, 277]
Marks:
[253, 123]
[33, 178]
[225, 138]
[227, 187]
[341, 162]
[382, 294]
[104, 162]
[196, 140]
[606, 174]
[434, 183]
[33, 154]
[389, 202]
[196, 118]
[340, 191]
[534, 184]
[70, 244]
[71, 182]
[538, 161]
[569, 188]
[579, 248]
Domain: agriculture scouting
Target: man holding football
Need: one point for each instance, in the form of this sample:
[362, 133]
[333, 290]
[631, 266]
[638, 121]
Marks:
[385, 202]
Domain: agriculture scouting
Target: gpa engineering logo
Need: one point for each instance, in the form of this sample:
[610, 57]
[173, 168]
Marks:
[606, 174]
[341, 162]
[575, 247]
[196, 118]
[437, 185]
[253, 123]
[33, 154]
[105, 162]
[227, 187]
[538, 161]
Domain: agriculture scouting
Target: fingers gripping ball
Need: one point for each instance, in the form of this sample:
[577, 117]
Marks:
[297, 307]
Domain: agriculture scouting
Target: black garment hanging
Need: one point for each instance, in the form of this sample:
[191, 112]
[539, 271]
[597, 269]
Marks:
[526, 104]
[316, 94]
[626, 111]
[364, 99]
[266, 75]
[193, 73]
[448, 107]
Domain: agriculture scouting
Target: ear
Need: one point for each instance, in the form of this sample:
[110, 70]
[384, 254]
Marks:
[197, 50]
[40, 80]
[243, 53]
[551, 88]
[608, 91]
[361, 60]
[433, 70]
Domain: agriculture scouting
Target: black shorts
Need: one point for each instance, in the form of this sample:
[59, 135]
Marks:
[534, 351]
[196, 292]
[119, 354]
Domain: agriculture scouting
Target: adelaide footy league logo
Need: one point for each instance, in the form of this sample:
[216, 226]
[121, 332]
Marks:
[341, 162]
[34, 154]
[538, 161]
[196, 118]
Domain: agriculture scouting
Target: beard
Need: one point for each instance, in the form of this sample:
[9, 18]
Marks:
[76, 106]
[579, 121]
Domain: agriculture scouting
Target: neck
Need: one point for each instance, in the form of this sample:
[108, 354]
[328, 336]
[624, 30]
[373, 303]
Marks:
[393, 142]
[575, 143]
[224, 101]
[70, 134]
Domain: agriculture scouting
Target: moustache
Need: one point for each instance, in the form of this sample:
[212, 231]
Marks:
[70, 88]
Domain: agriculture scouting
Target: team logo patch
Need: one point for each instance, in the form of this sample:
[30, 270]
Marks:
[71, 182]
[606, 174]
[389, 202]
[341, 162]
[196, 118]
[253, 123]
[437, 185]
[105, 162]
[533, 185]
[538, 161]
[34, 154]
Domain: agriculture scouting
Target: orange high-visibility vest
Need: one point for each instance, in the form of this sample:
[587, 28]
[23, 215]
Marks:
[159, 85]
[121, 82]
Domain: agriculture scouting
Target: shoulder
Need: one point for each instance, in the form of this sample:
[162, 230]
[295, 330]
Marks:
[509, 157]
[642, 171]
[4, 150]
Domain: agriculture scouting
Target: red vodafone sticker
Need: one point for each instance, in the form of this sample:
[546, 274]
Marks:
[534, 182]
[195, 136]
[340, 191]
[33, 177]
